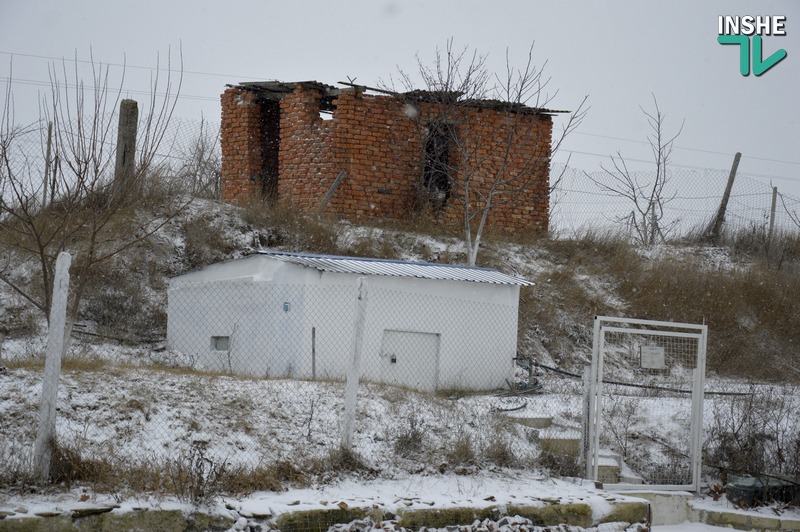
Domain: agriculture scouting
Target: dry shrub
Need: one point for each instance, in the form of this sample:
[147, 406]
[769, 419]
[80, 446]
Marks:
[344, 460]
[499, 452]
[196, 477]
[68, 465]
[422, 223]
[205, 243]
[780, 251]
[339, 460]
[560, 464]
[242, 481]
[410, 439]
[756, 433]
[376, 243]
[286, 226]
[125, 294]
[462, 452]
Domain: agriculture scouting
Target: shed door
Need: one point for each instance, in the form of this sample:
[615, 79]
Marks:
[410, 358]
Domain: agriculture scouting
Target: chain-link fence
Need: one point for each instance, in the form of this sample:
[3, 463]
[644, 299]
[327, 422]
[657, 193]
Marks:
[686, 206]
[189, 154]
[254, 373]
[424, 342]
[183, 153]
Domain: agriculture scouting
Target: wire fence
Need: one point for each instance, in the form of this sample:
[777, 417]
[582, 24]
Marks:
[190, 155]
[256, 374]
[187, 154]
[690, 200]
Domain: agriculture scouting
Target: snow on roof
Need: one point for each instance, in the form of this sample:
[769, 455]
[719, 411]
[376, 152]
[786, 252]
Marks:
[397, 268]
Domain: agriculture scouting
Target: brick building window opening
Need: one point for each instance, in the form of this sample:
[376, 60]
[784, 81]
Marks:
[326, 108]
[436, 171]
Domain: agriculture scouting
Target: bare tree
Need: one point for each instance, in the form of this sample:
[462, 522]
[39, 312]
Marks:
[646, 194]
[200, 173]
[77, 211]
[479, 167]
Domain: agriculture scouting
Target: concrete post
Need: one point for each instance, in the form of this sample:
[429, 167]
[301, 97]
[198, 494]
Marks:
[351, 388]
[126, 148]
[46, 432]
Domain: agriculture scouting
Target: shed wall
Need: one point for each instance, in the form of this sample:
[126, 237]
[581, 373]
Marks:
[301, 324]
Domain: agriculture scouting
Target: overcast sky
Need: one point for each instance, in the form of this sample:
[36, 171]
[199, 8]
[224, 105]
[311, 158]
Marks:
[618, 52]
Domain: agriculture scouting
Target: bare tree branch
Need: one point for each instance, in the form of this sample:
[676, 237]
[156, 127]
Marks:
[465, 162]
[80, 214]
[647, 196]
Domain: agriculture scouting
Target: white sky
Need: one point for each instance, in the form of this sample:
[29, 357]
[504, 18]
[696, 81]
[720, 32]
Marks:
[618, 52]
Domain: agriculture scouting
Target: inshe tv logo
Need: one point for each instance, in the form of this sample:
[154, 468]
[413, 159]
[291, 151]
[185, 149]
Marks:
[739, 30]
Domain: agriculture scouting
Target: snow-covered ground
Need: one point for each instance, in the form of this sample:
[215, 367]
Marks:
[119, 402]
[137, 403]
[391, 497]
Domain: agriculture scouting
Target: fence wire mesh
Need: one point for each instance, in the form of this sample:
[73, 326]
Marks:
[690, 200]
[190, 154]
[255, 373]
[252, 375]
[187, 155]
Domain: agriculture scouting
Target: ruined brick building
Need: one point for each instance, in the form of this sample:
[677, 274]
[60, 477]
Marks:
[357, 155]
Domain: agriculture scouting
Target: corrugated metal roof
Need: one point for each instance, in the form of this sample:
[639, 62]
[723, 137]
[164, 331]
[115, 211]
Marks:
[397, 268]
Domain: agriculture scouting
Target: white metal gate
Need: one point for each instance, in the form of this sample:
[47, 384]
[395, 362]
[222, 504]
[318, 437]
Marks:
[644, 404]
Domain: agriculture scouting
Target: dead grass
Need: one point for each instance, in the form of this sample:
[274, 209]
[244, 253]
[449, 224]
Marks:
[499, 453]
[462, 451]
[68, 465]
[753, 312]
[288, 227]
[205, 243]
[273, 477]
[31, 363]
[83, 361]
[753, 316]
[556, 315]
[191, 476]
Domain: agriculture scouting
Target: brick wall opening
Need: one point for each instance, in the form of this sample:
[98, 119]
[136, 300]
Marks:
[271, 143]
[437, 172]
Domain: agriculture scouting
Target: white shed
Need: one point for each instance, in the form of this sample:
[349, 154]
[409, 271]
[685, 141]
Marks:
[427, 326]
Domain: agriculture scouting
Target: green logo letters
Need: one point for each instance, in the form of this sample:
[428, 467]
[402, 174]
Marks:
[760, 66]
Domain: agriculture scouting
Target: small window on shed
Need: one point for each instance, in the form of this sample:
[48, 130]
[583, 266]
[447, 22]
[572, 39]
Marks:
[221, 343]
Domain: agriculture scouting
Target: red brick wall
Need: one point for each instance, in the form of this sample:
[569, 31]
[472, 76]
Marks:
[241, 141]
[380, 148]
[512, 153]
